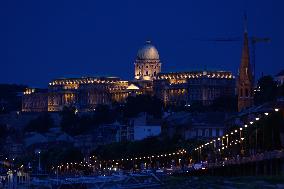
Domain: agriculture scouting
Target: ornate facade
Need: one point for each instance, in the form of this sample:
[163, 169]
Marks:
[173, 88]
[147, 64]
[245, 80]
[34, 100]
[184, 88]
[86, 93]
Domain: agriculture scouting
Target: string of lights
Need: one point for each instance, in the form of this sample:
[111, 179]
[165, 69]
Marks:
[221, 143]
[220, 140]
[117, 161]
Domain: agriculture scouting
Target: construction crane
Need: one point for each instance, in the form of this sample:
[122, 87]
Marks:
[253, 40]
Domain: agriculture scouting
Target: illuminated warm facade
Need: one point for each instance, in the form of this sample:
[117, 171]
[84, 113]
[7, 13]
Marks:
[86, 93]
[184, 88]
[173, 88]
[34, 100]
[147, 64]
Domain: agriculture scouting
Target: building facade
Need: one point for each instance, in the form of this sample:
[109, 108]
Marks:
[34, 100]
[86, 93]
[279, 78]
[172, 88]
[204, 125]
[147, 64]
[184, 88]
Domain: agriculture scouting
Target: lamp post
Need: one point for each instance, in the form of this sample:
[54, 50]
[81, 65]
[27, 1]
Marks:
[57, 174]
[37, 152]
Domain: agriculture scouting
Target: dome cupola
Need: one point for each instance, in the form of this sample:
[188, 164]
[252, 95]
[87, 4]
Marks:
[148, 52]
[147, 64]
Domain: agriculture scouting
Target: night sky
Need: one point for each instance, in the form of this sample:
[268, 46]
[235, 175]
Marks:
[44, 40]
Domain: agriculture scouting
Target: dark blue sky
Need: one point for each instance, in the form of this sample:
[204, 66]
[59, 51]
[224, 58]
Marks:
[43, 40]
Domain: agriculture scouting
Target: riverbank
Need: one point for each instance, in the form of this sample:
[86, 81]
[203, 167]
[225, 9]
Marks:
[188, 182]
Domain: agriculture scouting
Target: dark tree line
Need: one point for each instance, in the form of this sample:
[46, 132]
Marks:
[74, 124]
[143, 103]
[10, 97]
[267, 90]
[41, 124]
[148, 146]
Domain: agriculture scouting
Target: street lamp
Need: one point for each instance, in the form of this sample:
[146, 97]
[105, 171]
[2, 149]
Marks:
[37, 152]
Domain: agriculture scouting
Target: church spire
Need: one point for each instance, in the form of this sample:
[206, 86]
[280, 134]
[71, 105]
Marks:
[245, 80]
[245, 23]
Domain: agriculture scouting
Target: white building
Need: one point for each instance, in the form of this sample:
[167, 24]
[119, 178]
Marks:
[279, 78]
[144, 131]
[145, 126]
[203, 125]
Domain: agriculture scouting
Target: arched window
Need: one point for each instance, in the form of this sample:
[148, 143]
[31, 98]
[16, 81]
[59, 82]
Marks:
[207, 133]
[241, 92]
[199, 132]
[146, 72]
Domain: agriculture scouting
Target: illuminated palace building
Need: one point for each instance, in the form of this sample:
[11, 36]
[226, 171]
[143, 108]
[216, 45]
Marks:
[172, 88]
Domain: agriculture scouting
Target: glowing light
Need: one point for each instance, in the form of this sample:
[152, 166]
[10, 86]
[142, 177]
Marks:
[266, 113]
[236, 131]
[276, 109]
[251, 122]
[246, 125]
[257, 118]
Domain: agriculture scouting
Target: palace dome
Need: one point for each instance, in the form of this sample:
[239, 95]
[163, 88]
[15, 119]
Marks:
[148, 52]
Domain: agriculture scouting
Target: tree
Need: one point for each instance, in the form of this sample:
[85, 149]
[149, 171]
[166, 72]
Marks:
[69, 120]
[266, 90]
[3, 131]
[280, 90]
[143, 103]
[41, 124]
[225, 104]
[10, 100]
[104, 114]
[60, 154]
[74, 124]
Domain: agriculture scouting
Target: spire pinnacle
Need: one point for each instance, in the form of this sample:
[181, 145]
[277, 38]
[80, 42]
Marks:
[245, 22]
